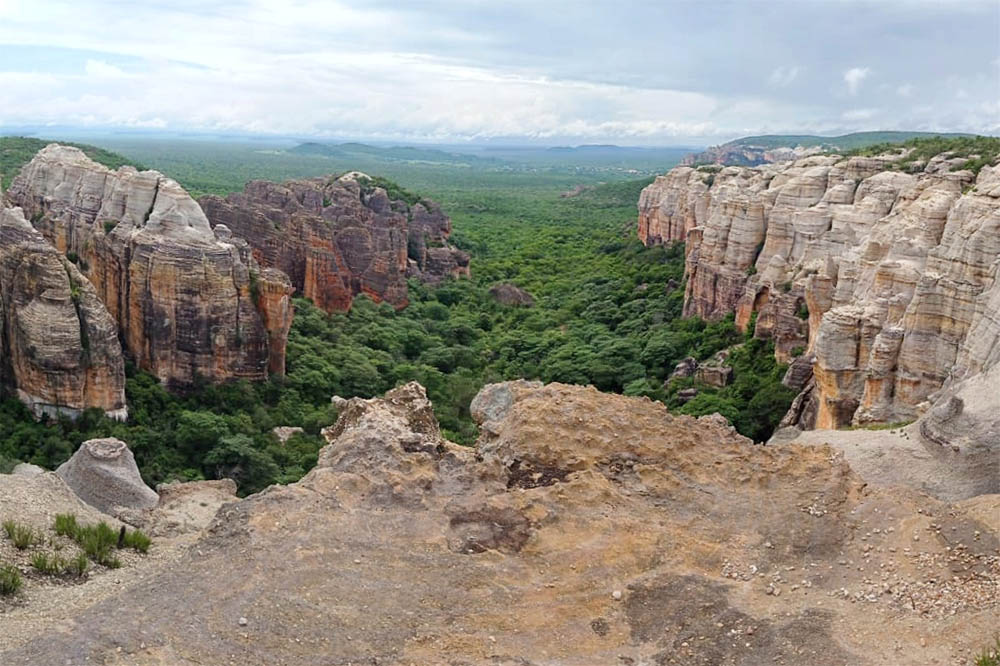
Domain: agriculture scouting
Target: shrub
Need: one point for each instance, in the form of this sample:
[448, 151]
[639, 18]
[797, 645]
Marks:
[803, 312]
[22, 535]
[109, 226]
[10, 581]
[137, 541]
[97, 542]
[51, 565]
[65, 525]
[78, 565]
[990, 656]
[798, 351]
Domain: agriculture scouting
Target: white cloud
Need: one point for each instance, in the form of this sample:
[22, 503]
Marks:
[783, 75]
[905, 90]
[854, 78]
[859, 114]
[101, 69]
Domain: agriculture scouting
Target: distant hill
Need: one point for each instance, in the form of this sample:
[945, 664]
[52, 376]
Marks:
[754, 150]
[407, 154]
[16, 151]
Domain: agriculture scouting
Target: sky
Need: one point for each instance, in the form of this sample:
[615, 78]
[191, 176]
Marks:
[649, 72]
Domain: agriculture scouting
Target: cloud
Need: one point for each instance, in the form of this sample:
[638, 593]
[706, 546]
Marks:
[451, 70]
[783, 75]
[854, 78]
[101, 69]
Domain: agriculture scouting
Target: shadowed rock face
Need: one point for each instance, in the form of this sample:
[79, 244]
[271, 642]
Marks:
[336, 239]
[183, 299]
[59, 348]
[584, 528]
[889, 279]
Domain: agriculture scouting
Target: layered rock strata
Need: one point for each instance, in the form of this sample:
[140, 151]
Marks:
[190, 304]
[59, 349]
[337, 238]
[888, 278]
[584, 528]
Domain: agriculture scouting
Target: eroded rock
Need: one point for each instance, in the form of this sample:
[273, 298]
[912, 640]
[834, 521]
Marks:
[337, 238]
[103, 474]
[187, 303]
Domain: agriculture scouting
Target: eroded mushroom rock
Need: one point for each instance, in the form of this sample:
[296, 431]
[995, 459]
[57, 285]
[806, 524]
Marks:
[59, 349]
[583, 528]
[337, 238]
[189, 305]
[886, 277]
[103, 474]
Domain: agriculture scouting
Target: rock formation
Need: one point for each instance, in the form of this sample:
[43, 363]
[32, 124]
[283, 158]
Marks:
[337, 238]
[59, 349]
[103, 474]
[886, 276]
[510, 294]
[187, 301]
[584, 528]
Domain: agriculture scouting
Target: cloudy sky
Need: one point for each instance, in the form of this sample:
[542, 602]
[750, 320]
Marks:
[646, 72]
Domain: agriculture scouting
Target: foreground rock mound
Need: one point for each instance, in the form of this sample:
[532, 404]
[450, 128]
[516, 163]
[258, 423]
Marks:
[887, 276]
[337, 238]
[103, 474]
[583, 529]
[189, 304]
[59, 349]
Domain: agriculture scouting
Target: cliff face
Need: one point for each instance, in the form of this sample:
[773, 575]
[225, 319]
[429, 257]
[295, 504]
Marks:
[59, 346]
[185, 301]
[337, 239]
[888, 278]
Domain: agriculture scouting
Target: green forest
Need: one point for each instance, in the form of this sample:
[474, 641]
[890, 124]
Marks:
[607, 312]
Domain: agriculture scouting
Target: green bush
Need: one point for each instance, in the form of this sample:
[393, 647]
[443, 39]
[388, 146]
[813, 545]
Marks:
[22, 536]
[10, 580]
[50, 565]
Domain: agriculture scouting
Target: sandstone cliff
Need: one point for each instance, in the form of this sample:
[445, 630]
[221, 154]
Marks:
[187, 302]
[338, 238]
[584, 529]
[59, 348]
[888, 278]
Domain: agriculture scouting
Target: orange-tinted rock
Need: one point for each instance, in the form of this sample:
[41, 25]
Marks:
[182, 298]
[336, 238]
[889, 278]
[59, 347]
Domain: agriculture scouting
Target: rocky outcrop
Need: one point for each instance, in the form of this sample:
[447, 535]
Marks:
[584, 528]
[506, 293]
[103, 474]
[888, 277]
[183, 297]
[337, 238]
[59, 349]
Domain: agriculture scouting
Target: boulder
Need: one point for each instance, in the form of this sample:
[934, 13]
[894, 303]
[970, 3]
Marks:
[285, 433]
[510, 294]
[103, 474]
[685, 368]
[27, 469]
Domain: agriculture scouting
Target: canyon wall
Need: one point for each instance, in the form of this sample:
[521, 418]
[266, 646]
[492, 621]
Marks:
[338, 238]
[190, 303]
[59, 347]
[886, 276]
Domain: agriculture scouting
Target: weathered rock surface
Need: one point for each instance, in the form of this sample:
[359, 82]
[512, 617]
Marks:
[59, 349]
[103, 474]
[182, 297]
[889, 279]
[337, 238]
[584, 529]
[510, 294]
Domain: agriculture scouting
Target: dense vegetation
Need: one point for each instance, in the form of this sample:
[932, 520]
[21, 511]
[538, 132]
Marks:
[852, 141]
[15, 151]
[607, 312]
[979, 151]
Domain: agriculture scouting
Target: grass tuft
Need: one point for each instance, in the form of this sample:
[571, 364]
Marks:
[21, 535]
[10, 581]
